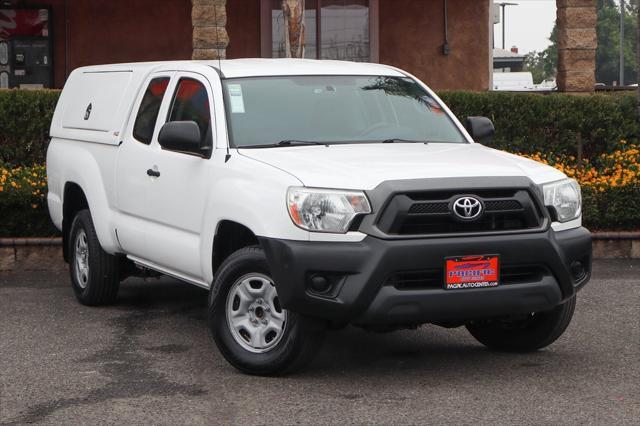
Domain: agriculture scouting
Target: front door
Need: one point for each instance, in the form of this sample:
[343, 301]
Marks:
[176, 200]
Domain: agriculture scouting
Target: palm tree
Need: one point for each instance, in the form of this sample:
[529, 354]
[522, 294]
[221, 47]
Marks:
[293, 12]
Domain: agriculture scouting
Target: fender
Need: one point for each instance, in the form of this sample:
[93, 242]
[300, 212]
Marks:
[258, 204]
[78, 163]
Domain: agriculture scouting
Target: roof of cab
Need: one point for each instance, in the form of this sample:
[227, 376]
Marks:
[235, 68]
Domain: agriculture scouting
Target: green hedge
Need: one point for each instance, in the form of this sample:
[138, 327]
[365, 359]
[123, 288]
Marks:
[615, 209]
[553, 123]
[24, 221]
[25, 116]
[524, 122]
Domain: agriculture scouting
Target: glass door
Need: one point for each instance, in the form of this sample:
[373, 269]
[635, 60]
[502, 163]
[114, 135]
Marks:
[341, 28]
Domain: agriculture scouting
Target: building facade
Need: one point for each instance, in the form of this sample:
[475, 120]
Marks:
[446, 43]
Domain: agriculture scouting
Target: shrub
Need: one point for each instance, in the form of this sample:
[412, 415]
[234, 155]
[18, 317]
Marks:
[610, 186]
[25, 117]
[524, 122]
[553, 124]
[547, 128]
[610, 191]
[23, 210]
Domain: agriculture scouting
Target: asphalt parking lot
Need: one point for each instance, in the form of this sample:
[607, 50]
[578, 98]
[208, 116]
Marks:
[149, 359]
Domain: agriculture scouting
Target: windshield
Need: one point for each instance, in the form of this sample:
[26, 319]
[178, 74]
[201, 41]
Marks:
[266, 111]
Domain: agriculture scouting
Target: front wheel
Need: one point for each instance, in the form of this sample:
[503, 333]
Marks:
[250, 327]
[526, 333]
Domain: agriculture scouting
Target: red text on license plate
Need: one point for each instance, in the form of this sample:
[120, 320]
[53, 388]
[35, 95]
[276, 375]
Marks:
[471, 272]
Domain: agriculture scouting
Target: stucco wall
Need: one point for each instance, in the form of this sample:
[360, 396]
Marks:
[412, 35]
[243, 26]
[112, 31]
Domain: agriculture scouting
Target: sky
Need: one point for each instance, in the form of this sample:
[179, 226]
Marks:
[528, 25]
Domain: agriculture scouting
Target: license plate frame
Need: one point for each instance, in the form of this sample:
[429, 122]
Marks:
[472, 271]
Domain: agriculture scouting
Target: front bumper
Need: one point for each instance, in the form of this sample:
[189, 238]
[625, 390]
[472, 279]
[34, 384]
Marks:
[362, 292]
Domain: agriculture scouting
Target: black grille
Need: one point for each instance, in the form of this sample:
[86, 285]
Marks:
[502, 205]
[517, 274]
[428, 213]
[443, 207]
[429, 279]
[429, 208]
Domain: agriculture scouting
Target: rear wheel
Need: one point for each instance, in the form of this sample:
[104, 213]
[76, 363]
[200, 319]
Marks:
[94, 273]
[250, 327]
[526, 333]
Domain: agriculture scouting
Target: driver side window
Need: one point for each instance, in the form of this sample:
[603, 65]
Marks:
[191, 103]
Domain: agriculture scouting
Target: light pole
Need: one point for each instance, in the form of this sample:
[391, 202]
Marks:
[621, 43]
[503, 5]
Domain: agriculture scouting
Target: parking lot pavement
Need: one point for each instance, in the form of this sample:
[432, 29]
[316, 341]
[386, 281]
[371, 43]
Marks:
[149, 359]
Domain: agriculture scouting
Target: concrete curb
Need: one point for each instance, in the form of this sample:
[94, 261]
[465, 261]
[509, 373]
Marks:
[12, 242]
[616, 245]
[34, 254]
[31, 254]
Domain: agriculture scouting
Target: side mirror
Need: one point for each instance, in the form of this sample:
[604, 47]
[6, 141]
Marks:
[481, 129]
[182, 136]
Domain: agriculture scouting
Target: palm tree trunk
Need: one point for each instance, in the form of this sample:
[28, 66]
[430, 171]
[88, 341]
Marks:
[293, 12]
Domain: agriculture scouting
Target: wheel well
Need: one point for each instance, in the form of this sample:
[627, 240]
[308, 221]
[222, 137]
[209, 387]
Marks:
[73, 201]
[230, 237]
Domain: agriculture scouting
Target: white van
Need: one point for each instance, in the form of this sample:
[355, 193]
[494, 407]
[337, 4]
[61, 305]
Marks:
[513, 81]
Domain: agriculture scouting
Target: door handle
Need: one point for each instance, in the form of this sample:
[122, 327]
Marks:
[153, 173]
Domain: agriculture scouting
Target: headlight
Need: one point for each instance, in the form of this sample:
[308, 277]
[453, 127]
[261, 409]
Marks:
[565, 197]
[325, 210]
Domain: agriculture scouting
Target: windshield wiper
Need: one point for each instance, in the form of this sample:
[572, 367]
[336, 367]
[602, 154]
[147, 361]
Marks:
[287, 142]
[294, 142]
[400, 140]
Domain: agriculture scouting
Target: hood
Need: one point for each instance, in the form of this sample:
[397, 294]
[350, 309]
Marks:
[365, 166]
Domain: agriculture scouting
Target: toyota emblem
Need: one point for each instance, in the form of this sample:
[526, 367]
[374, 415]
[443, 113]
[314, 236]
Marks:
[467, 208]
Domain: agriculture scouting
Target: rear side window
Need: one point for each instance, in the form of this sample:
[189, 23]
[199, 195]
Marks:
[149, 108]
[191, 103]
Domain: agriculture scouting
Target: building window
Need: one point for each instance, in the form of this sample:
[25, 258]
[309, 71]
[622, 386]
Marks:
[334, 29]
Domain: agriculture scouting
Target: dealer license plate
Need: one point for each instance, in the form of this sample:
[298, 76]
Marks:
[471, 272]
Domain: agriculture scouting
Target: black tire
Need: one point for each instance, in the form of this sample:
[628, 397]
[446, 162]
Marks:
[301, 336]
[99, 285]
[524, 334]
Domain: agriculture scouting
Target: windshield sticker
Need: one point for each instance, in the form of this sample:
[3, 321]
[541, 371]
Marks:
[235, 98]
[328, 89]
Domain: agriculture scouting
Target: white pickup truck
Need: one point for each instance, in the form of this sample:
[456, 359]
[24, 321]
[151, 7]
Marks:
[309, 195]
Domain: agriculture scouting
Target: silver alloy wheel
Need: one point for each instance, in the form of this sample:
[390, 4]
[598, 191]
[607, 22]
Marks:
[254, 316]
[82, 258]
